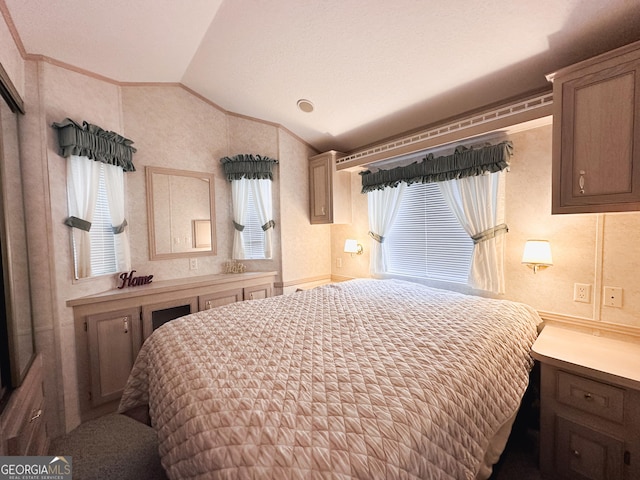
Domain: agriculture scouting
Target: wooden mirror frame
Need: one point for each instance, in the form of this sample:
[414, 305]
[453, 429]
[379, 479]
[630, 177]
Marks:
[154, 254]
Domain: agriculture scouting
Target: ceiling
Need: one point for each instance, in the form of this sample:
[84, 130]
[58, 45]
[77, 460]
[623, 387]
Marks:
[372, 68]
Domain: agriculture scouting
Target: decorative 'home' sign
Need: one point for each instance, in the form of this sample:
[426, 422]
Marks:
[128, 280]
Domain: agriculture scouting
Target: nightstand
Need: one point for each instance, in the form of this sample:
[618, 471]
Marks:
[590, 406]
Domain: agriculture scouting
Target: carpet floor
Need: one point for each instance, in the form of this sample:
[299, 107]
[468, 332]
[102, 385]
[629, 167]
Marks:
[111, 447]
[118, 447]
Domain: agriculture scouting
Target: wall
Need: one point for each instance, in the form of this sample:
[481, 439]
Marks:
[172, 128]
[595, 249]
[306, 255]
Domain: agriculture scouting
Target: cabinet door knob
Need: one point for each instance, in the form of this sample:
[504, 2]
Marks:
[125, 322]
[588, 396]
[576, 453]
[581, 181]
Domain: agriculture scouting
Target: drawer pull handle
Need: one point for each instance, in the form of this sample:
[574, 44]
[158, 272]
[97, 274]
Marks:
[37, 415]
[576, 453]
[125, 321]
[207, 304]
[588, 396]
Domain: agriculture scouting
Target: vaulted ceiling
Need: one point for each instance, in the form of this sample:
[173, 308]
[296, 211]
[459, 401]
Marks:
[371, 68]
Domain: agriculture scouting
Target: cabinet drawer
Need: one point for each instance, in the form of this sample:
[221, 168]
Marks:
[590, 396]
[31, 424]
[218, 299]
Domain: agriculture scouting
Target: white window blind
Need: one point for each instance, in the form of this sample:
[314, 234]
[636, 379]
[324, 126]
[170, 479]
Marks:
[103, 249]
[426, 239]
[253, 234]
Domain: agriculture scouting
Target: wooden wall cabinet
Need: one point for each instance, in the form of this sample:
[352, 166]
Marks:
[590, 407]
[111, 327]
[596, 134]
[329, 190]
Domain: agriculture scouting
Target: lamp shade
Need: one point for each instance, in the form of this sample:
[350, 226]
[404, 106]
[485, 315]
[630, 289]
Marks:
[351, 246]
[537, 252]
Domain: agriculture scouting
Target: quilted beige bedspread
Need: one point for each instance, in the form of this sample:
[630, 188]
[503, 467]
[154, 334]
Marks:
[366, 379]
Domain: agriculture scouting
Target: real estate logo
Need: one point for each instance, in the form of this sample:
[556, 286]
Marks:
[35, 468]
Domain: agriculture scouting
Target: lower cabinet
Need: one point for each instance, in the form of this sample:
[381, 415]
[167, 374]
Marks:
[155, 315]
[257, 292]
[114, 340]
[219, 299]
[590, 427]
[111, 327]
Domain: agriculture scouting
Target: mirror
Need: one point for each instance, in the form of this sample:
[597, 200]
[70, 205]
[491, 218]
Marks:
[181, 213]
[17, 347]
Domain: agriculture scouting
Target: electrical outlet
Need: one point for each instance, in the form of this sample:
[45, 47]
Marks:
[193, 264]
[582, 292]
[613, 297]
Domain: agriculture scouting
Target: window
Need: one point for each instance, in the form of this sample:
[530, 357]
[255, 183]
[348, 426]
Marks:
[426, 239]
[253, 234]
[103, 249]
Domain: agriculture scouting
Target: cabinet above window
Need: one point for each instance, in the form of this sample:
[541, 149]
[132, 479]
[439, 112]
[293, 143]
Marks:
[596, 136]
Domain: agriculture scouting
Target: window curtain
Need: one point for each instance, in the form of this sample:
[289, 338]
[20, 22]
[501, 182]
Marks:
[262, 195]
[383, 209]
[114, 182]
[93, 142]
[475, 203]
[255, 172]
[83, 176]
[463, 162]
[86, 146]
[471, 180]
[240, 203]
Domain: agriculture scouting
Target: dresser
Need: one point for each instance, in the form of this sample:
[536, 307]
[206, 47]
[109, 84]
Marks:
[589, 406]
[23, 428]
[110, 327]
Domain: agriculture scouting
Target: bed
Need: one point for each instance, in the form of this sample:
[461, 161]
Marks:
[365, 379]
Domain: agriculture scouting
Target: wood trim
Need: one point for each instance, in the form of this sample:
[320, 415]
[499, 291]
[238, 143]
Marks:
[175, 287]
[496, 116]
[10, 93]
[12, 29]
[299, 281]
[603, 57]
[596, 327]
[341, 278]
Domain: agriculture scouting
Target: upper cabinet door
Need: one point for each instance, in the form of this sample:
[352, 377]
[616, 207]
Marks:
[596, 164]
[329, 190]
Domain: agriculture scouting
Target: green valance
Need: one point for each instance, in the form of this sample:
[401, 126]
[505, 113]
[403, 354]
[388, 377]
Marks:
[91, 141]
[248, 166]
[464, 162]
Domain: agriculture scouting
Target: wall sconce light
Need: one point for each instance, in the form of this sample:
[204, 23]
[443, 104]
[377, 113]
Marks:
[353, 247]
[537, 254]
